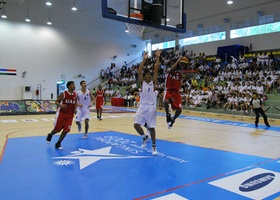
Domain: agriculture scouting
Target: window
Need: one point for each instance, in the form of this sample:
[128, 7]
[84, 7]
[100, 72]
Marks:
[255, 30]
[203, 38]
[163, 45]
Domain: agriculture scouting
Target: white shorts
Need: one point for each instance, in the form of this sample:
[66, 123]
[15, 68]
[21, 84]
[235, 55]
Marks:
[146, 114]
[82, 113]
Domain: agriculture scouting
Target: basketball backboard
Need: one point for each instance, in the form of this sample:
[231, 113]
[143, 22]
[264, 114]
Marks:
[161, 14]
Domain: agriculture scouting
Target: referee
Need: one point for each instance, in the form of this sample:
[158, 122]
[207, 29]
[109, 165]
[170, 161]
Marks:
[257, 105]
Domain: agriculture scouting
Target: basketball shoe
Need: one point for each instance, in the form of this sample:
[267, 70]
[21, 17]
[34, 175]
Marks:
[168, 119]
[170, 124]
[154, 149]
[49, 138]
[144, 142]
[58, 146]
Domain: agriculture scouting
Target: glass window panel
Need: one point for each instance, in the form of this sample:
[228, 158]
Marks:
[203, 39]
[255, 30]
[163, 45]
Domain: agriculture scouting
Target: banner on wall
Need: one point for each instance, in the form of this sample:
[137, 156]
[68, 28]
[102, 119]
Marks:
[12, 107]
[40, 107]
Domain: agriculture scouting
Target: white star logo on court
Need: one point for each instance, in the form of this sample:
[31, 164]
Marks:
[88, 157]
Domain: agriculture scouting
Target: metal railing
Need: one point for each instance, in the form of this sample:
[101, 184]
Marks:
[271, 111]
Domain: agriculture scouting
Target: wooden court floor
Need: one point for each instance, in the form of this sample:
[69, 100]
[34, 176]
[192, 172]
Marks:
[238, 139]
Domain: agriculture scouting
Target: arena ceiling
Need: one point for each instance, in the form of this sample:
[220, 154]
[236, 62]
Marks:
[204, 12]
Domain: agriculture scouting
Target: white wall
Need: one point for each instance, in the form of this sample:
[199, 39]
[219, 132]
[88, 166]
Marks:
[46, 53]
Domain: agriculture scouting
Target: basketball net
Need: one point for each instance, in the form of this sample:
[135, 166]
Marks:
[135, 30]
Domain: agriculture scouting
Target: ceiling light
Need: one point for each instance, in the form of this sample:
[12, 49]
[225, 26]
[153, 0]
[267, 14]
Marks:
[4, 16]
[27, 11]
[74, 8]
[49, 22]
[229, 2]
[48, 3]
[27, 19]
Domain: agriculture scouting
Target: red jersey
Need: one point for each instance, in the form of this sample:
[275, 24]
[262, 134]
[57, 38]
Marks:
[70, 101]
[99, 94]
[99, 99]
[173, 81]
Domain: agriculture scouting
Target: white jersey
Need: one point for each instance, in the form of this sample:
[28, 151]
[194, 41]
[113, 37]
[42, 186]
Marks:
[84, 98]
[147, 96]
[146, 112]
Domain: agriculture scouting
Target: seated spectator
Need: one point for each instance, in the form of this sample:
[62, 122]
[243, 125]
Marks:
[227, 105]
[243, 102]
[102, 74]
[118, 93]
[108, 93]
[137, 100]
[212, 99]
[268, 84]
[93, 91]
[196, 100]
[128, 99]
[194, 82]
[234, 104]
[221, 98]
[259, 88]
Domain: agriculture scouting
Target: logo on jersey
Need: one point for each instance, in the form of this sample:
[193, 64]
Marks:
[174, 77]
[70, 101]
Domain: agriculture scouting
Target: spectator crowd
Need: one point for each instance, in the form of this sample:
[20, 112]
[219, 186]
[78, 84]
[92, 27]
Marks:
[223, 85]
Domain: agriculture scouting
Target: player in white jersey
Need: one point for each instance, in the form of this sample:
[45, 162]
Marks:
[85, 101]
[146, 112]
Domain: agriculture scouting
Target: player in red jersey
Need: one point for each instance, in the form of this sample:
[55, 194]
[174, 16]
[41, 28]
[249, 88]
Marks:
[172, 96]
[67, 107]
[99, 101]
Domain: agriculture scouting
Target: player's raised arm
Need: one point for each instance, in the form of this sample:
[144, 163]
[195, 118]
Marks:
[157, 53]
[185, 72]
[140, 70]
[176, 63]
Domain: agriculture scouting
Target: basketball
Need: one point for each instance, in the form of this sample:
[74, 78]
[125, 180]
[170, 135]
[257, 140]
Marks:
[184, 62]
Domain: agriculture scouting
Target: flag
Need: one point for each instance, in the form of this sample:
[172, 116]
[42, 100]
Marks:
[12, 72]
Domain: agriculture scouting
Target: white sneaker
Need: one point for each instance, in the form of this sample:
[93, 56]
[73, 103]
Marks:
[144, 142]
[85, 136]
[154, 150]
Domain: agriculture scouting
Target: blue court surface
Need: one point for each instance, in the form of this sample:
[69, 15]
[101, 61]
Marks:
[111, 165]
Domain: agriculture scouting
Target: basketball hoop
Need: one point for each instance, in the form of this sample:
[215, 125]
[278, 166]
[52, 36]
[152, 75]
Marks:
[134, 29]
